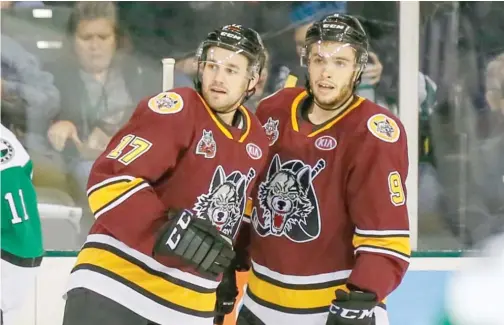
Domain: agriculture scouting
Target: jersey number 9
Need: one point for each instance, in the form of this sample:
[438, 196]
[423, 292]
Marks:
[397, 196]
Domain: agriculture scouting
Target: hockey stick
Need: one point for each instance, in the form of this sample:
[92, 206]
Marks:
[168, 73]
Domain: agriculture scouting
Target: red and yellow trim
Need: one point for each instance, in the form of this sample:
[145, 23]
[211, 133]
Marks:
[295, 106]
[222, 127]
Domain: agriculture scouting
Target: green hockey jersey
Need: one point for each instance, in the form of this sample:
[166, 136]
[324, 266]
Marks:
[21, 240]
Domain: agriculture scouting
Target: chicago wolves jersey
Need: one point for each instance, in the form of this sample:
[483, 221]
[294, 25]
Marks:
[173, 153]
[21, 229]
[330, 209]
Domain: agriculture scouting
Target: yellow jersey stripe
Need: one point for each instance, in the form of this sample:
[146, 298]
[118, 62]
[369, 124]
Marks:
[290, 297]
[100, 197]
[399, 244]
[153, 284]
[248, 126]
[291, 81]
[339, 118]
[294, 108]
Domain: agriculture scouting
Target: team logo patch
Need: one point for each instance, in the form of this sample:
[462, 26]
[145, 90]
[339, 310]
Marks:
[384, 128]
[206, 146]
[254, 151]
[326, 143]
[271, 129]
[288, 201]
[7, 151]
[166, 103]
[224, 204]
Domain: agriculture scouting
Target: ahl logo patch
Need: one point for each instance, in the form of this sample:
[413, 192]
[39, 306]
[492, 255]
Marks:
[206, 146]
[254, 151]
[7, 151]
[384, 128]
[271, 129]
[225, 202]
[326, 143]
[166, 103]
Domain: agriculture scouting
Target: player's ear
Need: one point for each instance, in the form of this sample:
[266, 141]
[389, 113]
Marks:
[253, 81]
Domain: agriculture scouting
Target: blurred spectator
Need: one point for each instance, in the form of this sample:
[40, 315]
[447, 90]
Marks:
[259, 93]
[495, 94]
[21, 4]
[302, 15]
[100, 82]
[485, 204]
[173, 28]
[29, 97]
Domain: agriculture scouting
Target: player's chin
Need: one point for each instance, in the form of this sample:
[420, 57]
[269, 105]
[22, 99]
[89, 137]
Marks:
[327, 100]
[220, 106]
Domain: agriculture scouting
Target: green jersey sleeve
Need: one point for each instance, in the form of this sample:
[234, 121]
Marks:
[21, 227]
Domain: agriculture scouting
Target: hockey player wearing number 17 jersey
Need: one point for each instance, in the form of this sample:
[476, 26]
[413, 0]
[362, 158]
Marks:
[330, 237]
[169, 194]
[21, 230]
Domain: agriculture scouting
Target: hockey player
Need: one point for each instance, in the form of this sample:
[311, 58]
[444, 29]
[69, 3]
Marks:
[21, 240]
[169, 194]
[330, 238]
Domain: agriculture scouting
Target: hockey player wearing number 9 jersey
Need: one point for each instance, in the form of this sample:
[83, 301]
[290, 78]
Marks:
[21, 237]
[169, 193]
[330, 237]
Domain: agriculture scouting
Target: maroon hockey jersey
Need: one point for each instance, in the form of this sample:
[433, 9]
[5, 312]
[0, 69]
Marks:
[173, 153]
[330, 209]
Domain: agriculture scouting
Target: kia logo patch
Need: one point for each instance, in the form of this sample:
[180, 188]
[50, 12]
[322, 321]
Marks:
[254, 151]
[326, 143]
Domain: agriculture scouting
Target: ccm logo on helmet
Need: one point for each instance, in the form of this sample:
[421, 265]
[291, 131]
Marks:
[233, 36]
[326, 143]
[254, 151]
[335, 26]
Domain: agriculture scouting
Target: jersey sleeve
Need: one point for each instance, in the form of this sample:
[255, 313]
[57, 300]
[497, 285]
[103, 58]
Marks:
[376, 194]
[120, 188]
[21, 228]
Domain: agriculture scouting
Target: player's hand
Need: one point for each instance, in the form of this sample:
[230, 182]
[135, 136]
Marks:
[60, 132]
[352, 308]
[197, 242]
[373, 71]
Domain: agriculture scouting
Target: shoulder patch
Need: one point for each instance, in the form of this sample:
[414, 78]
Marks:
[166, 103]
[7, 151]
[384, 128]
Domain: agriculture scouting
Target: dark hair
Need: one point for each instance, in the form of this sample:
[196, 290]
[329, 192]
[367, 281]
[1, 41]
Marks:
[93, 10]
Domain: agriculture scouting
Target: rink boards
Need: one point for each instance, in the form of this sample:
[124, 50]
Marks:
[421, 294]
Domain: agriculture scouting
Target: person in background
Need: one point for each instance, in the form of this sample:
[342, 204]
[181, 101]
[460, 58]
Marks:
[260, 89]
[100, 79]
[29, 97]
[303, 15]
[485, 204]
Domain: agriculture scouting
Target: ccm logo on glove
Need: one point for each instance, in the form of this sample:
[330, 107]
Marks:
[181, 225]
[351, 313]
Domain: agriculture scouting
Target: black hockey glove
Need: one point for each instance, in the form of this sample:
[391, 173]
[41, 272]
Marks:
[197, 242]
[354, 308]
[226, 293]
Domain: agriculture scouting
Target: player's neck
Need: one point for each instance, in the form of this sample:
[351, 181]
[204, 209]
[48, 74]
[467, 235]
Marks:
[317, 115]
[228, 117]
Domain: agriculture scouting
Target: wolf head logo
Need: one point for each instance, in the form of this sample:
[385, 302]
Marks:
[225, 201]
[384, 127]
[166, 102]
[206, 145]
[288, 201]
[271, 129]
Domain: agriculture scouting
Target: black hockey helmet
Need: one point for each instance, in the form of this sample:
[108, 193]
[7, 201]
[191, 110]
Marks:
[341, 28]
[237, 38]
